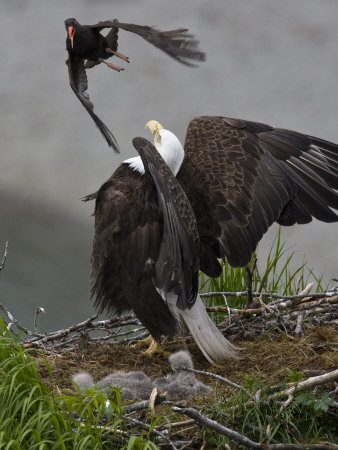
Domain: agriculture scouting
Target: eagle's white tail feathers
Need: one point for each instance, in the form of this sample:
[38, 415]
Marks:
[214, 346]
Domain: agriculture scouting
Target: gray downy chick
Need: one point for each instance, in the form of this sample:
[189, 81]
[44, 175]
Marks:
[181, 383]
[134, 384]
[137, 385]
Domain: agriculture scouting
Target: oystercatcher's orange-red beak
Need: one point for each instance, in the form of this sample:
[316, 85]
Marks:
[71, 32]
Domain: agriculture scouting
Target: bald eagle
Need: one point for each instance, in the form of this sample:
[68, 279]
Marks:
[170, 212]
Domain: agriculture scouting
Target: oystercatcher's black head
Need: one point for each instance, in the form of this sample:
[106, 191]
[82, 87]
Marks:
[71, 26]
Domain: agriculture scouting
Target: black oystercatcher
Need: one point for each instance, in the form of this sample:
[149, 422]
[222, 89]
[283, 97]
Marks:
[85, 42]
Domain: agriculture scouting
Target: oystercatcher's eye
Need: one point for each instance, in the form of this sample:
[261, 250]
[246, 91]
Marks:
[75, 22]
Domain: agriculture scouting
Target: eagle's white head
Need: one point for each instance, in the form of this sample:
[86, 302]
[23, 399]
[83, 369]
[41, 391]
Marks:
[168, 146]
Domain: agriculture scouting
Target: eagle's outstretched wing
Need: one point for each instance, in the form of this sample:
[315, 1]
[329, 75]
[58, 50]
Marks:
[242, 176]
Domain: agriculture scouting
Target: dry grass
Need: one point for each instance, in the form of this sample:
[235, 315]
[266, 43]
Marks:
[266, 360]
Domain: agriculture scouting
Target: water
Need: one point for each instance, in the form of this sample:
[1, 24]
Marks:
[273, 62]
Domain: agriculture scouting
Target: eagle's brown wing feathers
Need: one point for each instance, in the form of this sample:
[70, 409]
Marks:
[126, 242]
[177, 265]
[242, 176]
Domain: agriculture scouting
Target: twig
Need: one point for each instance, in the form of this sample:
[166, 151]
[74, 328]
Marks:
[243, 440]
[152, 399]
[3, 262]
[287, 402]
[65, 332]
[152, 430]
[307, 289]
[296, 387]
[203, 445]
[220, 429]
[143, 404]
[183, 431]
[16, 322]
[218, 377]
[300, 317]
[300, 279]
[281, 314]
[182, 423]
[321, 446]
[134, 338]
[105, 428]
[306, 384]
[37, 312]
[270, 295]
[228, 310]
[249, 274]
[234, 310]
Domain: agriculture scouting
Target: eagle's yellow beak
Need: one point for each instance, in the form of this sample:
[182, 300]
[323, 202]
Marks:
[154, 127]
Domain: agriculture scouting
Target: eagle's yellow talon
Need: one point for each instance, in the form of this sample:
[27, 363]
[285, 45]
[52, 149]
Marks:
[142, 343]
[153, 347]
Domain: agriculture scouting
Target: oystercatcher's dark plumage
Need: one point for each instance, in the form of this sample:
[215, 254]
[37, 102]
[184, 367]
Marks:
[86, 43]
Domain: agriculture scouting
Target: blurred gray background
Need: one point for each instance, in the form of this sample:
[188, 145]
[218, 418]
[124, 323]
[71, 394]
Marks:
[268, 61]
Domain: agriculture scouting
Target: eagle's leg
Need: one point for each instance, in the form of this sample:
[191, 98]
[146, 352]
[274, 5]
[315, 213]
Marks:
[154, 347]
[118, 54]
[112, 66]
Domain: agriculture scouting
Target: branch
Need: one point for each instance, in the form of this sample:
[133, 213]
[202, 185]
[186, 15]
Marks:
[37, 312]
[218, 377]
[224, 309]
[300, 317]
[183, 423]
[309, 383]
[61, 333]
[243, 440]
[220, 429]
[152, 430]
[322, 446]
[143, 404]
[17, 323]
[249, 275]
[271, 295]
[3, 262]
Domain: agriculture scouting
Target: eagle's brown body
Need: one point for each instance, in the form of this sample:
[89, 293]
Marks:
[237, 178]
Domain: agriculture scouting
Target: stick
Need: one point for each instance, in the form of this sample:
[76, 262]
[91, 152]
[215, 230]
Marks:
[243, 440]
[270, 295]
[300, 317]
[16, 322]
[322, 446]
[234, 310]
[37, 312]
[218, 377]
[143, 404]
[183, 423]
[249, 274]
[309, 383]
[3, 262]
[152, 430]
[220, 429]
